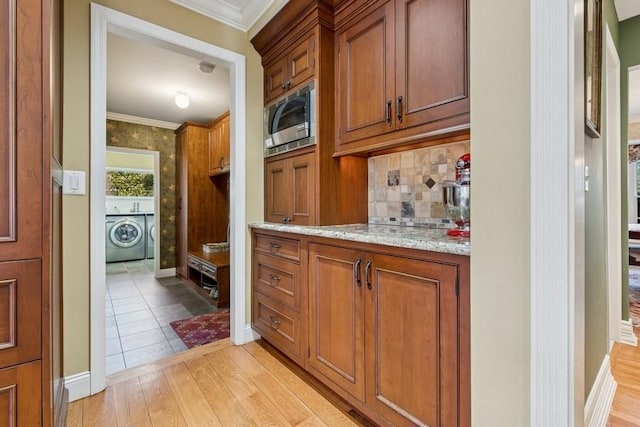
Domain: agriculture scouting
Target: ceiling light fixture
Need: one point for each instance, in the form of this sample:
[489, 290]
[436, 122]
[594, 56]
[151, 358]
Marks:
[182, 100]
[206, 67]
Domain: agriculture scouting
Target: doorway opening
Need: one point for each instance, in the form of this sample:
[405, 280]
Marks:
[105, 21]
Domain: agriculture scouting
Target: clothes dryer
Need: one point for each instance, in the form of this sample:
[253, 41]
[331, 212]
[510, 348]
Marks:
[125, 236]
[151, 236]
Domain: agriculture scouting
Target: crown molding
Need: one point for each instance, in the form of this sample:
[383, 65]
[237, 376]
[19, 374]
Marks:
[142, 121]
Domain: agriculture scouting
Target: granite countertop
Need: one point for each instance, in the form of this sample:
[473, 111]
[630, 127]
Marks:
[426, 239]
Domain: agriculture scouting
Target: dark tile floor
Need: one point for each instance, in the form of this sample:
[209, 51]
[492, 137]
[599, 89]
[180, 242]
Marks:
[139, 308]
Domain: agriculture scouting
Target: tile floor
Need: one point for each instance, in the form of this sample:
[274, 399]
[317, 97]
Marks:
[139, 308]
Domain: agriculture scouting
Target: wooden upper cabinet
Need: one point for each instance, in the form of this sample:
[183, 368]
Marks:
[402, 75]
[290, 190]
[366, 79]
[431, 50]
[219, 146]
[287, 72]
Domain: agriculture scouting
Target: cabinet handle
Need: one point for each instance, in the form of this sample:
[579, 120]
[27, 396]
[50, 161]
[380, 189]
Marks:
[221, 162]
[367, 274]
[275, 322]
[286, 220]
[275, 247]
[399, 112]
[288, 84]
[356, 272]
[387, 114]
[273, 278]
[283, 86]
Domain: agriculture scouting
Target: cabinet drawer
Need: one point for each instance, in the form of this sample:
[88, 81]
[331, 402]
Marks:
[277, 279]
[278, 247]
[20, 395]
[279, 325]
[193, 262]
[20, 312]
[209, 270]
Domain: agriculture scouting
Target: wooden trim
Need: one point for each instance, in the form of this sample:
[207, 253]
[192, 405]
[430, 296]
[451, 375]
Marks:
[188, 124]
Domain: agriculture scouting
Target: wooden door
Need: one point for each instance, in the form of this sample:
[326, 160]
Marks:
[301, 62]
[303, 192]
[277, 182]
[275, 79]
[366, 75]
[336, 317]
[432, 53]
[214, 157]
[412, 336]
[182, 200]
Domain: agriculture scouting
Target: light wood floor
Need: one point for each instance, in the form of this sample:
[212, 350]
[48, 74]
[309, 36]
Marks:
[213, 385]
[625, 366]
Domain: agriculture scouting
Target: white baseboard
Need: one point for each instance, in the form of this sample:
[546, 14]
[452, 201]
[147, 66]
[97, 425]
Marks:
[166, 272]
[79, 385]
[626, 333]
[250, 334]
[598, 406]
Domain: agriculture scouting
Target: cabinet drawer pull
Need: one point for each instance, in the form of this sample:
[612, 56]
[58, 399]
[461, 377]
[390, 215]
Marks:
[288, 84]
[275, 322]
[273, 278]
[367, 274]
[356, 272]
[399, 107]
[275, 247]
[387, 114]
[283, 86]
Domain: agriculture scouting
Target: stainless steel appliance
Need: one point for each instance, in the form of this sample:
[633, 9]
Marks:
[125, 237]
[289, 122]
[150, 235]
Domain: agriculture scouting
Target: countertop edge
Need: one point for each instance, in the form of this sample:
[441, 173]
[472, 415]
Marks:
[433, 245]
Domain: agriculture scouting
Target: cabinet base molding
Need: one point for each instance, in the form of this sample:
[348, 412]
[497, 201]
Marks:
[249, 334]
[598, 406]
[79, 385]
[626, 333]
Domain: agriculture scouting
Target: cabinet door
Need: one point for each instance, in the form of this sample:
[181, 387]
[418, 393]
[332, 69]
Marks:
[301, 62]
[336, 317]
[366, 74]
[214, 157]
[411, 335]
[303, 190]
[224, 144]
[275, 79]
[277, 191]
[21, 395]
[432, 53]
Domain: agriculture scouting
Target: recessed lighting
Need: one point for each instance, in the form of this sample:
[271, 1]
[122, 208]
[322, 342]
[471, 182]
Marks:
[182, 100]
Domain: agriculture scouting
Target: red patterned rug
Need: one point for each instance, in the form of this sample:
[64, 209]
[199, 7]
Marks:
[202, 329]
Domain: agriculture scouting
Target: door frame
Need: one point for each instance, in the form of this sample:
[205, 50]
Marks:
[613, 189]
[103, 21]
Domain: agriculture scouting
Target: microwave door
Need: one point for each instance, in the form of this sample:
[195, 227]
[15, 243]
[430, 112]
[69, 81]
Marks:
[289, 122]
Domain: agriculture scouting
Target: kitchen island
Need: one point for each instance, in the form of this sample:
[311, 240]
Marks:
[378, 313]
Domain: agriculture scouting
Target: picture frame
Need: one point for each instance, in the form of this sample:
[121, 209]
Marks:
[593, 67]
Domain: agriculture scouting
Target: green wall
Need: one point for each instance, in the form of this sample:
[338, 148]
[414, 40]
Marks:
[596, 316]
[629, 51]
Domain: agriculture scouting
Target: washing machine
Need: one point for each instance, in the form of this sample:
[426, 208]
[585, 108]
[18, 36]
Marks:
[125, 237]
[151, 235]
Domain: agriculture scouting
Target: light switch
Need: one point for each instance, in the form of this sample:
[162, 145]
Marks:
[73, 182]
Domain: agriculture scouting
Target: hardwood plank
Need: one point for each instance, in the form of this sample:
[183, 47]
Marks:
[324, 409]
[74, 414]
[162, 407]
[190, 399]
[130, 405]
[294, 411]
[99, 410]
[221, 399]
[625, 367]
[251, 398]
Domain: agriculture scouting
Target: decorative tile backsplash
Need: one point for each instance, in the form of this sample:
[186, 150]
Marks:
[405, 188]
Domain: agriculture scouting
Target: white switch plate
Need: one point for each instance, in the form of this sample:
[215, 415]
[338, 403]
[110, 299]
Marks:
[73, 182]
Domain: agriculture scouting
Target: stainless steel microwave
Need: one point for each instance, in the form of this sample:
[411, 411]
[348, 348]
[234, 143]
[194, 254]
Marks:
[289, 122]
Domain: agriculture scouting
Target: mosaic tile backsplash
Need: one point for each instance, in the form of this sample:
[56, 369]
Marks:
[405, 188]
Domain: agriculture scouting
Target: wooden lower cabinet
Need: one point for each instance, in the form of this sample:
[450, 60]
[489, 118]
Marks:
[384, 328]
[21, 395]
